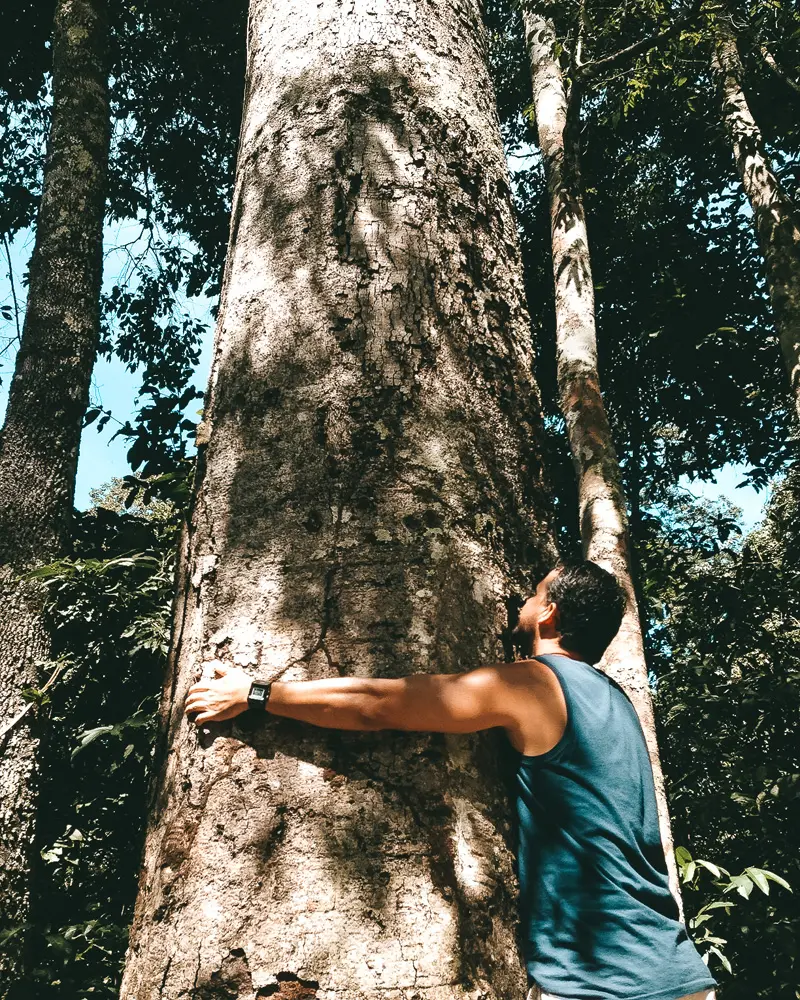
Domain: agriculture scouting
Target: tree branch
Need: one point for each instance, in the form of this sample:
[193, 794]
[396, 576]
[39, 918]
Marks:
[776, 70]
[13, 288]
[23, 712]
[592, 70]
[572, 134]
[581, 39]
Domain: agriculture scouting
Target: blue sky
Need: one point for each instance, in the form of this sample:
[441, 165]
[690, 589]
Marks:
[726, 484]
[102, 457]
[113, 387]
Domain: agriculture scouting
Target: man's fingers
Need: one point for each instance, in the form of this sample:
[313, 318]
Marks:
[195, 704]
[205, 717]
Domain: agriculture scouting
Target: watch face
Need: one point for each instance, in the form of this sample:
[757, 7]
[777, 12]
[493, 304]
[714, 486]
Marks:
[259, 693]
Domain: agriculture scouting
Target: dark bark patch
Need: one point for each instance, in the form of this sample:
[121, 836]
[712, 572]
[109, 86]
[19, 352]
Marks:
[413, 523]
[333, 778]
[433, 519]
[178, 842]
[230, 982]
[512, 643]
[290, 987]
[272, 836]
[313, 522]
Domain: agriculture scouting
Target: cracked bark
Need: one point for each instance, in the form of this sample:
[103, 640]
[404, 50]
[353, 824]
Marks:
[774, 214]
[47, 401]
[368, 495]
[601, 500]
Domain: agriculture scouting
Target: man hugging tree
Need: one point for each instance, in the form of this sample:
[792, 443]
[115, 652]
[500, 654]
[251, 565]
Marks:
[599, 921]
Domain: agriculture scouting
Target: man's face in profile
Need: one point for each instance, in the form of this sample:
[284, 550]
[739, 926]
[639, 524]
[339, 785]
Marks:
[536, 612]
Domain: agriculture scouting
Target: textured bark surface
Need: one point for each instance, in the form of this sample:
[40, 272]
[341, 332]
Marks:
[47, 401]
[774, 214]
[369, 494]
[601, 501]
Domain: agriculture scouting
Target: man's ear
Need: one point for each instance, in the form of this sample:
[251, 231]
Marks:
[549, 615]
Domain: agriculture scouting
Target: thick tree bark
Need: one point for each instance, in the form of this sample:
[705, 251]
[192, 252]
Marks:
[774, 214]
[601, 500]
[47, 402]
[369, 492]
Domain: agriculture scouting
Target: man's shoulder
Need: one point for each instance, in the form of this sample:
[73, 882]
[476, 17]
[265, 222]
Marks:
[531, 673]
[536, 703]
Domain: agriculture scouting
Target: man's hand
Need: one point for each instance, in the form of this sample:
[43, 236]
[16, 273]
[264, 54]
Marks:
[219, 699]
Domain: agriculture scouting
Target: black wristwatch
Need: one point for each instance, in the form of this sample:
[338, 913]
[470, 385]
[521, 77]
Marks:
[259, 696]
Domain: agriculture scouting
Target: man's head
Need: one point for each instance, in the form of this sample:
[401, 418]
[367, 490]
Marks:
[578, 606]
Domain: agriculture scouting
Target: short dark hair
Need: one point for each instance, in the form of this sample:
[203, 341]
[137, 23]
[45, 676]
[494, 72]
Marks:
[590, 604]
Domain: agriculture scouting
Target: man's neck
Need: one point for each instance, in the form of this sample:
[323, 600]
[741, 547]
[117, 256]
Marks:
[552, 647]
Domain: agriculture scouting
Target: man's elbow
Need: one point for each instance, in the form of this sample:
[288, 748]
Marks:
[379, 712]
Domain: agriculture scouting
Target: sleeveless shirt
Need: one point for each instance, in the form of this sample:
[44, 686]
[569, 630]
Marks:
[598, 919]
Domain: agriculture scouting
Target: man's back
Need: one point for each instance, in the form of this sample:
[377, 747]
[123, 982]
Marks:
[599, 921]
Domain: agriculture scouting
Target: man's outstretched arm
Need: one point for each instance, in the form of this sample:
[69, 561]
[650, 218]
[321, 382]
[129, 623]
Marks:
[442, 703]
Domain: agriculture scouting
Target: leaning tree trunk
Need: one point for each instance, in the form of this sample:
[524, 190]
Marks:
[774, 214]
[368, 494]
[47, 402]
[601, 501]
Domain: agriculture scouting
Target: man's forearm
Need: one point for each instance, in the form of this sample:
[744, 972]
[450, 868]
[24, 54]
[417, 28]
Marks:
[336, 703]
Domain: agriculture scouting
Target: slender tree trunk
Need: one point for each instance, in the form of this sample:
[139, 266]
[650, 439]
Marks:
[601, 501]
[47, 402]
[369, 492]
[774, 214]
[776, 70]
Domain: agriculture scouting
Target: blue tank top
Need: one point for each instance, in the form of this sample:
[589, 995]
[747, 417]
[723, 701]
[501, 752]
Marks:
[598, 919]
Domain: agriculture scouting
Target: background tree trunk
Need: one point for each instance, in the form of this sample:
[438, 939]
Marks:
[601, 500]
[47, 401]
[774, 214]
[369, 493]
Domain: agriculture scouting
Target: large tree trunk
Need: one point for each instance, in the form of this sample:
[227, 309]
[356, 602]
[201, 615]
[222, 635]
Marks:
[774, 214]
[369, 494]
[601, 500]
[47, 402]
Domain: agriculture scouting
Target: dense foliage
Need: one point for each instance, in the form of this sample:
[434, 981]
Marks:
[692, 377]
[725, 646]
[109, 606]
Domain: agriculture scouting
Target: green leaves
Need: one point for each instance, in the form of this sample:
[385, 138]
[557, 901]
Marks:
[138, 720]
[109, 606]
[92, 414]
[89, 736]
[715, 950]
[761, 877]
[58, 572]
[716, 871]
[688, 866]
[724, 884]
[742, 884]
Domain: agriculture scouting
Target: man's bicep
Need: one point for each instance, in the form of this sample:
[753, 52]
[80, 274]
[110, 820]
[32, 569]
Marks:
[451, 703]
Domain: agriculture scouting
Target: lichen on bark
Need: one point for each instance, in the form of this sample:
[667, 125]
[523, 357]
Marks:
[369, 493]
